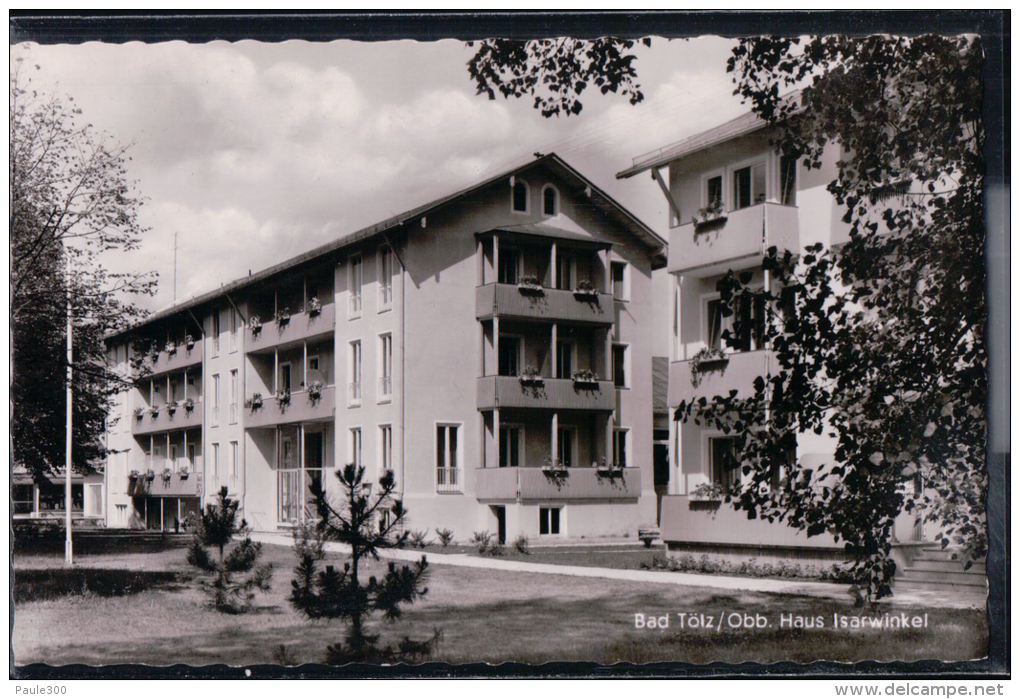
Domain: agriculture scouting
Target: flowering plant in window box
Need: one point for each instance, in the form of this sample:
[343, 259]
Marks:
[315, 391]
[530, 285]
[585, 288]
[705, 360]
[709, 216]
[155, 356]
[150, 475]
[154, 410]
[171, 348]
[184, 473]
[134, 474]
[171, 407]
[167, 475]
[283, 316]
[254, 403]
[139, 412]
[255, 323]
[555, 470]
[283, 397]
[189, 342]
[189, 404]
[585, 377]
[531, 377]
[707, 492]
[604, 468]
[314, 306]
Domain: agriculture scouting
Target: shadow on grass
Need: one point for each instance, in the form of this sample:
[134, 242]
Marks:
[50, 583]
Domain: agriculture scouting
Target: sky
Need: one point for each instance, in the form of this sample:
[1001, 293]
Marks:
[254, 152]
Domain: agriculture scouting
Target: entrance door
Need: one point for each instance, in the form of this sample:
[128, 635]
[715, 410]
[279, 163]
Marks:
[500, 513]
[313, 468]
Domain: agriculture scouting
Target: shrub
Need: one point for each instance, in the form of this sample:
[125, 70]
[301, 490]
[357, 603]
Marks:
[521, 545]
[445, 537]
[839, 572]
[482, 540]
[496, 550]
[420, 538]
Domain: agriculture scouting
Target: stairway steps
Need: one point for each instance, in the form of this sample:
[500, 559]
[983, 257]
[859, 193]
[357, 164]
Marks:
[946, 566]
[936, 585]
[942, 576]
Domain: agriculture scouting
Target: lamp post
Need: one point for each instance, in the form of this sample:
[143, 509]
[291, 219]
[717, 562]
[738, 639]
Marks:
[68, 545]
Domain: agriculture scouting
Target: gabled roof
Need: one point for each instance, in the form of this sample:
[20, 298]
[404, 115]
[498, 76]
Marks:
[608, 205]
[734, 128]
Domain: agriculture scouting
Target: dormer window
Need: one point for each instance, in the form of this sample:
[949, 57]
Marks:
[550, 200]
[520, 197]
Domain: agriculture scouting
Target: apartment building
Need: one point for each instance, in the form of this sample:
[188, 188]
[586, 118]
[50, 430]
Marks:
[492, 348]
[731, 196]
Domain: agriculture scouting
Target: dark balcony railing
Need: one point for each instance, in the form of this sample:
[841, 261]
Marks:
[555, 394]
[583, 483]
[172, 357]
[299, 326]
[167, 419]
[300, 408]
[512, 301]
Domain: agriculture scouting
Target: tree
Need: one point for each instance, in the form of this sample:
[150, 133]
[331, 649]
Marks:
[555, 72]
[366, 524]
[70, 201]
[237, 573]
[880, 342]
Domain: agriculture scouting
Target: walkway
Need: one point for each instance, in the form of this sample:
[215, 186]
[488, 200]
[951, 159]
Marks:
[913, 598]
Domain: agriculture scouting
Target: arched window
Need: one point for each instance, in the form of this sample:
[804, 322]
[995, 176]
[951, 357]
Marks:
[550, 200]
[520, 197]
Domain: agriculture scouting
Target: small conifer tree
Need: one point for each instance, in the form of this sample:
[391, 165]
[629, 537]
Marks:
[236, 573]
[366, 524]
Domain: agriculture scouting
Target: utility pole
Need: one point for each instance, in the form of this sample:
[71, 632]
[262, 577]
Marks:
[68, 543]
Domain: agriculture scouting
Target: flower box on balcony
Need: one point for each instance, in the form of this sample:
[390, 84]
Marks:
[530, 285]
[139, 413]
[189, 342]
[706, 492]
[709, 217]
[585, 289]
[171, 349]
[155, 411]
[189, 405]
[150, 475]
[315, 391]
[585, 379]
[283, 397]
[282, 317]
[314, 307]
[255, 323]
[531, 377]
[184, 475]
[171, 408]
[254, 403]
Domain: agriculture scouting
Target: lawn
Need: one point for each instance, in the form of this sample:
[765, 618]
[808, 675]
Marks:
[485, 615]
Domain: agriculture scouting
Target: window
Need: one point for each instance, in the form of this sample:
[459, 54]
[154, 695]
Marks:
[386, 447]
[216, 462]
[173, 392]
[356, 446]
[564, 270]
[355, 279]
[385, 278]
[520, 197]
[713, 192]
[96, 501]
[190, 466]
[509, 265]
[564, 359]
[752, 325]
[288, 479]
[550, 200]
[354, 394]
[549, 521]
[620, 366]
[313, 362]
[788, 181]
[233, 462]
[233, 329]
[216, 399]
[620, 446]
[510, 445]
[509, 355]
[284, 378]
[216, 332]
[233, 396]
[172, 463]
[749, 186]
[619, 277]
[565, 446]
[722, 455]
[385, 366]
[447, 459]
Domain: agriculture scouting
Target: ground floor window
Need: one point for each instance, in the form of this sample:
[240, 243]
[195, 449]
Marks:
[549, 520]
[288, 495]
[96, 501]
[447, 458]
[23, 498]
[724, 462]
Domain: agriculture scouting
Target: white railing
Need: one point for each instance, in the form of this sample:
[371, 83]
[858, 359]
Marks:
[385, 387]
[385, 294]
[355, 304]
[448, 480]
[354, 391]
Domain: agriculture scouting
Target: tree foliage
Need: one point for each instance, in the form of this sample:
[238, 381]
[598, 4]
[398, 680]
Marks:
[366, 524]
[880, 342]
[555, 72]
[70, 201]
[236, 573]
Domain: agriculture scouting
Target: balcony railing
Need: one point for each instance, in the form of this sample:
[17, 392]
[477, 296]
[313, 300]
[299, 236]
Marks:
[735, 371]
[449, 480]
[172, 357]
[584, 483]
[736, 239]
[177, 484]
[354, 392]
[301, 407]
[165, 418]
[304, 325]
[512, 301]
[385, 387]
[554, 394]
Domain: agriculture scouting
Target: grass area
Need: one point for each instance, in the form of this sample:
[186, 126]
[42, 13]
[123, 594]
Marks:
[626, 556]
[484, 615]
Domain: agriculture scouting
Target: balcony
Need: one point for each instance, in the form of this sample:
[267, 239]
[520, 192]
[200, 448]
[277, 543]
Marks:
[510, 301]
[300, 409]
[577, 484]
[164, 421]
[162, 362]
[736, 371]
[738, 240]
[551, 394]
[177, 485]
[300, 326]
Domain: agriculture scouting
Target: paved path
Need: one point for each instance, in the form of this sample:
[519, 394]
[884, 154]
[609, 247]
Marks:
[923, 598]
